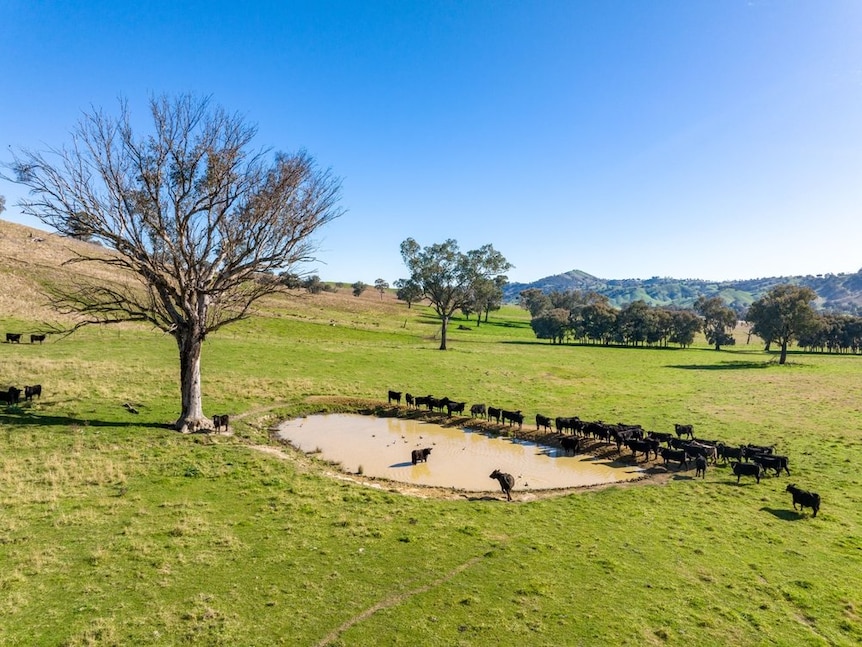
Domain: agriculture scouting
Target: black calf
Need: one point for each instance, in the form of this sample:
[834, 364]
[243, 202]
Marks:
[507, 482]
[804, 498]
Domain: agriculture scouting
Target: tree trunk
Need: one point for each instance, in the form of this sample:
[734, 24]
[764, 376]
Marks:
[443, 327]
[783, 357]
[192, 418]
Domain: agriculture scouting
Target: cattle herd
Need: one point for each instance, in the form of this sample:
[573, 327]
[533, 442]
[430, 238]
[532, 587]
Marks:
[15, 338]
[679, 448]
[12, 395]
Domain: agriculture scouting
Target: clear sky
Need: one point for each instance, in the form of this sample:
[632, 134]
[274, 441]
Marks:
[712, 139]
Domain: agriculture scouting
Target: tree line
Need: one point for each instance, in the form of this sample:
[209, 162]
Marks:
[783, 315]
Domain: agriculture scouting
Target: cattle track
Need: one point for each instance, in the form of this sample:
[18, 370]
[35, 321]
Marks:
[395, 600]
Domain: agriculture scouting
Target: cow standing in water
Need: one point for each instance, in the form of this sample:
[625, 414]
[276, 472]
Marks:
[507, 482]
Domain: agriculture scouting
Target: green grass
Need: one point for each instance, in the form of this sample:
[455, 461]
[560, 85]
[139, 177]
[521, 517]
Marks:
[115, 530]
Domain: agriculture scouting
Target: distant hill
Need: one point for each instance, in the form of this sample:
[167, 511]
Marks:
[836, 292]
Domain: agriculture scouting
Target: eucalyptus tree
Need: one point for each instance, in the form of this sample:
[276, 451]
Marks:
[200, 219]
[719, 320]
[407, 291]
[381, 286]
[782, 315]
[446, 275]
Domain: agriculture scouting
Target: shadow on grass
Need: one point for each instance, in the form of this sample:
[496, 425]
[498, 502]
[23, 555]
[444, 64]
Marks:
[783, 514]
[723, 366]
[28, 419]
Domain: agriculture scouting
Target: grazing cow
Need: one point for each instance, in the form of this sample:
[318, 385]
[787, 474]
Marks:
[747, 469]
[543, 422]
[454, 407]
[570, 444]
[10, 396]
[478, 411]
[409, 400]
[684, 430]
[725, 452]
[37, 338]
[772, 462]
[394, 395]
[420, 455]
[804, 498]
[669, 454]
[661, 436]
[695, 448]
[507, 482]
[220, 421]
[30, 391]
[512, 417]
[13, 338]
[495, 413]
[700, 467]
[751, 450]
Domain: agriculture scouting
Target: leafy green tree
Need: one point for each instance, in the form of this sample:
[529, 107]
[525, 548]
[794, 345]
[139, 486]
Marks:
[190, 209]
[534, 301]
[685, 325]
[358, 288]
[312, 284]
[381, 286]
[599, 321]
[718, 321]
[408, 291]
[551, 324]
[446, 276]
[782, 314]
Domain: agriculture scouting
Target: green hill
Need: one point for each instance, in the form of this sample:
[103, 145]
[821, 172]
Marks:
[840, 293]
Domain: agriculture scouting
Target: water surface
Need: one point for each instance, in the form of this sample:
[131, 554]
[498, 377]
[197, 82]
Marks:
[461, 458]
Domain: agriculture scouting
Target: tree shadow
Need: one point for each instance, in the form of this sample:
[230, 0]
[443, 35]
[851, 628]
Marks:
[783, 514]
[29, 419]
[723, 366]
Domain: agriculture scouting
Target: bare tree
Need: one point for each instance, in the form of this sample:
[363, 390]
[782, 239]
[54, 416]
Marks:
[201, 220]
[381, 286]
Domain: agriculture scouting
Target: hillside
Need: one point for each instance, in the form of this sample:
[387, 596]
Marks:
[836, 292]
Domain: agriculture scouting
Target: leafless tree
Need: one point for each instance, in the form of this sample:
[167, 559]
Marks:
[201, 220]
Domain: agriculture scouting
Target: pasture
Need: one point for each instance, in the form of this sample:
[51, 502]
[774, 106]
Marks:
[116, 530]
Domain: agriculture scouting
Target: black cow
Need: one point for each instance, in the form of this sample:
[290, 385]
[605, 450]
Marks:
[495, 414]
[750, 450]
[422, 400]
[455, 407]
[772, 462]
[408, 398]
[507, 482]
[570, 444]
[220, 421]
[725, 452]
[661, 436]
[597, 430]
[640, 446]
[669, 454]
[804, 498]
[695, 448]
[747, 469]
[543, 422]
[13, 337]
[30, 391]
[512, 417]
[683, 430]
[478, 411]
[394, 395]
[420, 455]
[700, 467]
[37, 338]
[10, 396]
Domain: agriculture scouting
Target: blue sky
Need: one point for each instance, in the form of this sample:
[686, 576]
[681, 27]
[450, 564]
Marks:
[629, 139]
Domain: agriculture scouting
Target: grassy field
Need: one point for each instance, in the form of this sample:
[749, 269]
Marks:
[115, 530]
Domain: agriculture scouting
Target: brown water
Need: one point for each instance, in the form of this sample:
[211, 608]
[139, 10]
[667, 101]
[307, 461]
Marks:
[460, 458]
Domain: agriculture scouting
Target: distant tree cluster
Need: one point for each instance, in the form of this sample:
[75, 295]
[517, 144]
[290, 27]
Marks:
[589, 317]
